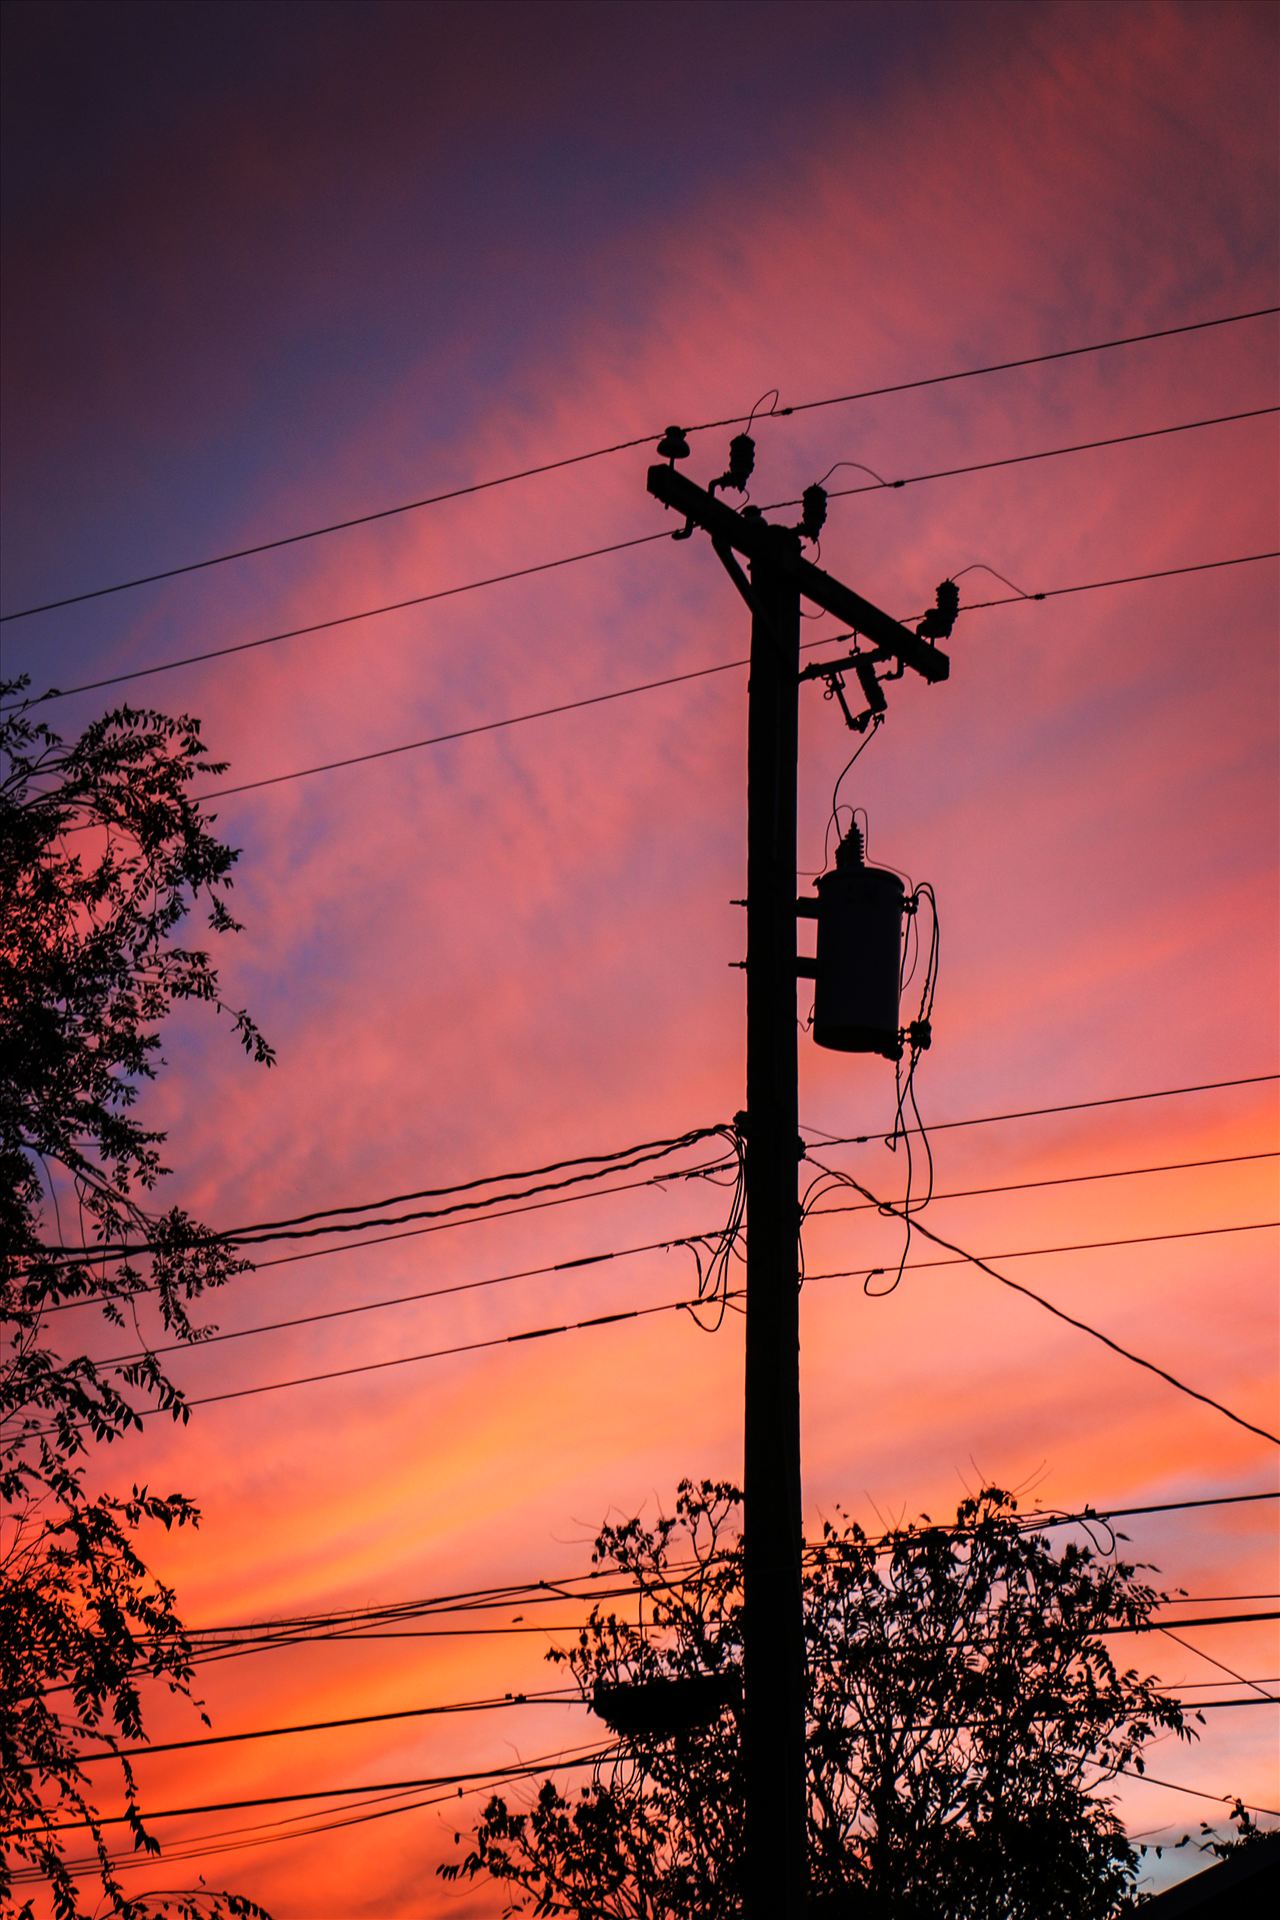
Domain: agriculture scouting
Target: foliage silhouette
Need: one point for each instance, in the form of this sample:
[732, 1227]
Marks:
[963, 1713]
[102, 854]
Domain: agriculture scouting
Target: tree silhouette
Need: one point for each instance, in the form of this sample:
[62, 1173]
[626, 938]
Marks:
[963, 1714]
[103, 852]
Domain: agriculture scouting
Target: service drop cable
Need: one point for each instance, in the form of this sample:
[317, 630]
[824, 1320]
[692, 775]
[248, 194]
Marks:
[597, 1166]
[886, 1208]
[704, 1170]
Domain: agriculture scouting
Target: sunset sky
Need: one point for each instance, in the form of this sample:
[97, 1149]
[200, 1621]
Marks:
[272, 266]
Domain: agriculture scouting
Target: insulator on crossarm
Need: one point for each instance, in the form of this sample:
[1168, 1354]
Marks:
[813, 514]
[941, 617]
[673, 446]
[742, 462]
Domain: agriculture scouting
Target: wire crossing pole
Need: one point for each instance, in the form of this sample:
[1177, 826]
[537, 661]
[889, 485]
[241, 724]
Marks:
[773, 1724]
[773, 1644]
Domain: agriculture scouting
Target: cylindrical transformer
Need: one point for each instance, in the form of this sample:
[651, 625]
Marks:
[859, 964]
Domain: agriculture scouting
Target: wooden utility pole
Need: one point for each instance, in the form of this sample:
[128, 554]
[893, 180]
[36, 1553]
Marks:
[773, 1646]
[773, 1630]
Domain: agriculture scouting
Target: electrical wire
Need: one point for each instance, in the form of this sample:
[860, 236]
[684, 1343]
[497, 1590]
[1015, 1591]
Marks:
[1021, 459]
[701, 1172]
[623, 446]
[1120, 580]
[1193, 1686]
[599, 1165]
[689, 1306]
[704, 1171]
[1037, 1113]
[591, 1582]
[623, 546]
[560, 1697]
[563, 1698]
[692, 1241]
[670, 680]
[349, 619]
[356, 1634]
[1221, 1666]
[590, 1757]
[1175, 1786]
[699, 1300]
[200, 1849]
[889, 1210]
[1209, 1620]
[550, 1591]
[212, 1642]
[294, 1826]
[1069, 1246]
[1068, 1180]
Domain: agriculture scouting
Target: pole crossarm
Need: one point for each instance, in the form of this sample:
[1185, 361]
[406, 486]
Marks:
[748, 534]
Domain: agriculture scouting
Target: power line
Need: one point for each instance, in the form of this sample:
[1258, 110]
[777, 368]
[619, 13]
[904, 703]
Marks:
[585, 1758]
[349, 619]
[199, 1849]
[1221, 1665]
[706, 1170]
[1046, 453]
[623, 446]
[1209, 1620]
[885, 1207]
[648, 539]
[426, 1293]
[290, 1630]
[352, 1620]
[554, 1698]
[669, 680]
[560, 1699]
[522, 1593]
[551, 1593]
[1193, 1686]
[690, 1240]
[288, 1827]
[1175, 1786]
[1068, 1180]
[356, 1635]
[1121, 580]
[1204, 1599]
[1034, 1253]
[442, 1353]
[1037, 1113]
[688, 1305]
[1026, 1113]
[598, 1165]
[1162, 1506]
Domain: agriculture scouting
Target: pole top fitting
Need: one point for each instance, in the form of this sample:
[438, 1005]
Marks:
[851, 852]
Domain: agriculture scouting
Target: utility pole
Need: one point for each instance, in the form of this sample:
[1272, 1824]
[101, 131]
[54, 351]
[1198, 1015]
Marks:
[774, 1647]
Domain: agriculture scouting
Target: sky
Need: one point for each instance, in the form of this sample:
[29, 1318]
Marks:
[269, 267]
